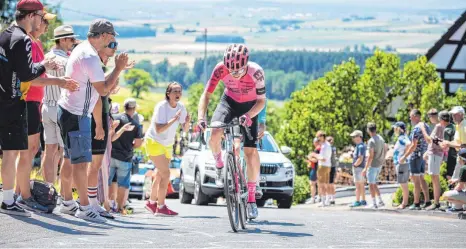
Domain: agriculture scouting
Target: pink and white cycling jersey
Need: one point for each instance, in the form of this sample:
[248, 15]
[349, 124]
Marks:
[245, 89]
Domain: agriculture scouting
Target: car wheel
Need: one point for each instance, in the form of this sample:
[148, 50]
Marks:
[260, 203]
[285, 202]
[185, 197]
[199, 197]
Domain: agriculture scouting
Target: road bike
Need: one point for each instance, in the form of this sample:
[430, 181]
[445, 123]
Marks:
[235, 182]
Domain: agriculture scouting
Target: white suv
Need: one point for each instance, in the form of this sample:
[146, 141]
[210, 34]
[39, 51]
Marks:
[198, 173]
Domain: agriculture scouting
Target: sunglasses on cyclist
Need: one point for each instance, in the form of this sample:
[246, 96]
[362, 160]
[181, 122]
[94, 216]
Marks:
[237, 73]
[112, 45]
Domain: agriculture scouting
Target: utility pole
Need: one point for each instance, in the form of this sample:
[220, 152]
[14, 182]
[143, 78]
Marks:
[205, 56]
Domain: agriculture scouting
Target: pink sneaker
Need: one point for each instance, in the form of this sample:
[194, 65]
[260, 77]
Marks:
[151, 207]
[165, 211]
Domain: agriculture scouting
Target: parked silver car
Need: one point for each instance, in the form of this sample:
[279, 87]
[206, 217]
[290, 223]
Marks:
[198, 173]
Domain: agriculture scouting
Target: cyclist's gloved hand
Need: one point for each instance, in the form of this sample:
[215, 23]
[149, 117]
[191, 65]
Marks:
[245, 120]
[201, 124]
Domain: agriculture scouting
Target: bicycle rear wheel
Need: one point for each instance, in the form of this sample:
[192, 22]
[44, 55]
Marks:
[231, 192]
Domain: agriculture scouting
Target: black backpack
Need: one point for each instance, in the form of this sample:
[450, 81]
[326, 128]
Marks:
[45, 194]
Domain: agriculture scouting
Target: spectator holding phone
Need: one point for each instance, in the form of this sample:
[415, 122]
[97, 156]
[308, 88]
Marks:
[435, 155]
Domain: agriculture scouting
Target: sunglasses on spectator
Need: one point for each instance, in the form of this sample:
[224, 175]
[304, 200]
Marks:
[42, 18]
[112, 45]
[175, 91]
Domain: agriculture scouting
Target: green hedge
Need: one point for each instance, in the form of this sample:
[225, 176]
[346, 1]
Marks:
[301, 189]
[398, 198]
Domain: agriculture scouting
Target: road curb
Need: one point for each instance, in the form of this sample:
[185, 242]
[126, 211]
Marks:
[409, 212]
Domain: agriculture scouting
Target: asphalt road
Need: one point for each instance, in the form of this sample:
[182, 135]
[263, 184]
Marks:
[208, 227]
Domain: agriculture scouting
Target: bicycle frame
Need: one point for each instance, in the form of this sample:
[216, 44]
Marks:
[239, 190]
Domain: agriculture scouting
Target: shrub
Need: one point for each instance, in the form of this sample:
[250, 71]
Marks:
[301, 189]
[398, 197]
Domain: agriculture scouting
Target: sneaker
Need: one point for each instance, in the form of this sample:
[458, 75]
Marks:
[322, 204]
[219, 178]
[426, 204]
[433, 207]
[165, 211]
[363, 203]
[318, 199]
[415, 207]
[90, 215]
[31, 204]
[252, 210]
[356, 204]
[104, 213]
[151, 207]
[381, 204]
[372, 206]
[327, 202]
[311, 201]
[454, 210]
[70, 209]
[14, 209]
[332, 202]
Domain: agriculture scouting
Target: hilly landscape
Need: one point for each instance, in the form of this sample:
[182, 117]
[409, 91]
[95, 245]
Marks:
[154, 29]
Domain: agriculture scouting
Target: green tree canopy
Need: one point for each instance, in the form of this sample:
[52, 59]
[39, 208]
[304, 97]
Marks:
[139, 81]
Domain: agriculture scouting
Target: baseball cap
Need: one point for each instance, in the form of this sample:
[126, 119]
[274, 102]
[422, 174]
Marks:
[29, 5]
[356, 133]
[49, 16]
[444, 115]
[130, 103]
[462, 154]
[400, 124]
[457, 109]
[100, 26]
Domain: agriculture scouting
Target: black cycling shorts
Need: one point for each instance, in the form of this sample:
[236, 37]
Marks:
[13, 125]
[228, 109]
[34, 117]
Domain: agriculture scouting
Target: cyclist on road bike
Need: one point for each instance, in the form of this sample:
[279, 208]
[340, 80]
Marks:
[244, 98]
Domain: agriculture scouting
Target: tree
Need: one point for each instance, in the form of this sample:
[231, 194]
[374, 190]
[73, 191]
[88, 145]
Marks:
[139, 81]
[380, 84]
[459, 99]
[194, 94]
[162, 68]
[177, 73]
[422, 88]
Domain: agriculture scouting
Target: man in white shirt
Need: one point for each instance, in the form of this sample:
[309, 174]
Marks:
[325, 165]
[64, 38]
[74, 114]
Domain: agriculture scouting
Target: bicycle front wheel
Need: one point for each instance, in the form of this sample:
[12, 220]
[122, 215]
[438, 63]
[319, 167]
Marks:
[231, 192]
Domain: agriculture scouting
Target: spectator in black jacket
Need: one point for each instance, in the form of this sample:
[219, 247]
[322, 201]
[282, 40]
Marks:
[16, 66]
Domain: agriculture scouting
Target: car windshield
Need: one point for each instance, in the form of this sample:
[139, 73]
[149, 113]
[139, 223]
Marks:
[266, 144]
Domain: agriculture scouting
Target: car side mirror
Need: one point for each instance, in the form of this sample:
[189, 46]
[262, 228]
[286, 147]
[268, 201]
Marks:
[194, 146]
[285, 150]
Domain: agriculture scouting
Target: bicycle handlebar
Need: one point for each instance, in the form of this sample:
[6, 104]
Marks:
[233, 123]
